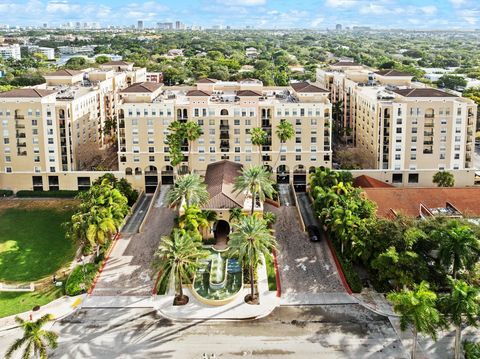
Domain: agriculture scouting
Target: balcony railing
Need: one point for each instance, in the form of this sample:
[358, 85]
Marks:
[428, 133]
[429, 115]
[429, 124]
[21, 144]
[427, 151]
[428, 143]
[20, 135]
[19, 117]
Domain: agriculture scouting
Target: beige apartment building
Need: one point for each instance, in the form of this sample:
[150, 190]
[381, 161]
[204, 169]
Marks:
[226, 111]
[401, 125]
[44, 127]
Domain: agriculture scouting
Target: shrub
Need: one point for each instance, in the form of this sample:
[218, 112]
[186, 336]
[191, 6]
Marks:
[349, 272]
[76, 278]
[55, 194]
[472, 350]
[6, 193]
[271, 276]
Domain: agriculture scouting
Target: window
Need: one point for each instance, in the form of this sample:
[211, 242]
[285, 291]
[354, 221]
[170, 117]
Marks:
[413, 156]
[397, 178]
[298, 157]
[413, 178]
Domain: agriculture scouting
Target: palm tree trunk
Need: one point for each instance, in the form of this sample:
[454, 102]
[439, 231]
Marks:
[252, 283]
[189, 154]
[414, 344]
[458, 341]
[278, 157]
[180, 288]
[455, 266]
[254, 195]
[260, 154]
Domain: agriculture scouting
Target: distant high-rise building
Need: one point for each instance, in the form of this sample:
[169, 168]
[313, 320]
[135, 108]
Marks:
[45, 25]
[179, 25]
[165, 25]
[338, 27]
[140, 25]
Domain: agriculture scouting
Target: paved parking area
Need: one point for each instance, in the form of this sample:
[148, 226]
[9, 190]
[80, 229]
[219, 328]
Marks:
[305, 267]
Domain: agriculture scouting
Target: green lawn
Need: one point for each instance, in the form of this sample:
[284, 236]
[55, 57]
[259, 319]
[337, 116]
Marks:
[15, 302]
[33, 243]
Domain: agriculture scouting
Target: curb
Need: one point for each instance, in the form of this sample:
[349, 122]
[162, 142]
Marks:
[337, 264]
[97, 277]
[277, 273]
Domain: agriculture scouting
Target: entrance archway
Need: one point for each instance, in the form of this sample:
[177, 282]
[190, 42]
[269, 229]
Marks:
[283, 174]
[221, 232]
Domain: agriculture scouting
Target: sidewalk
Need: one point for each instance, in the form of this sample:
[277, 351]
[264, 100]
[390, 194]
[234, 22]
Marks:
[59, 308]
[235, 310]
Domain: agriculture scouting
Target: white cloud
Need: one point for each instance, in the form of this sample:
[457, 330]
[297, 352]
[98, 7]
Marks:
[317, 22]
[429, 10]
[458, 3]
[242, 2]
[341, 3]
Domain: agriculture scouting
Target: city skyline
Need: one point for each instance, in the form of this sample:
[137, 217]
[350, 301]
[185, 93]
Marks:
[259, 14]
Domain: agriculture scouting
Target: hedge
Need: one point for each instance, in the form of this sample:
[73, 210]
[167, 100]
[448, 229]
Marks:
[6, 193]
[76, 278]
[46, 194]
[271, 275]
[349, 272]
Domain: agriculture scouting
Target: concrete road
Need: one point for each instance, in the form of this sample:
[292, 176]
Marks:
[333, 331]
[134, 222]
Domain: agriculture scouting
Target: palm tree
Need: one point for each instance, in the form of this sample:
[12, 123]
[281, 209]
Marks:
[192, 132]
[192, 219]
[189, 188]
[459, 247]
[178, 256]
[461, 306]
[256, 180]
[235, 214]
[35, 339]
[444, 179]
[270, 218]
[284, 132]
[249, 241]
[101, 226]
[209, 217]
[417, 308]
[259, 138]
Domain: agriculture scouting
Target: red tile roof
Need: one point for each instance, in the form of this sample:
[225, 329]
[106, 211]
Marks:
[248, 93]
[142, 87]
[206, 81]
[220, 178]
[369, 182]
[64, 72]
[306, 87]
[423, 92]
[26, 92]
[407, 201]
[393, 73]
[198, 93]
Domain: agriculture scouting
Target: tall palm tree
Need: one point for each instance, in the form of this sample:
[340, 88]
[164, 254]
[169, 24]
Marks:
[101, 226]
[256, 180]
[178, 256]
[235, 214]
[209, 217]
[284, 132]
[249, 241]
[459, 247]
[417, 308]
[36, 340]
[461, 306]
[192, 131]
[259, 138]
[189, 188]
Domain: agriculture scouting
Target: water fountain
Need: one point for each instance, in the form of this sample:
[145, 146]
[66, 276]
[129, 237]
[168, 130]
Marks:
[218, 271]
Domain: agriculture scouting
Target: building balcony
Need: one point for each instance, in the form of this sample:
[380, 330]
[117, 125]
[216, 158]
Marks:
[18, 125]
[428, 133]
[21, 153]
[224, 127]
[19, 117]
[428, 151]
[20, 135]
[429, 142]
[121, 124]
[428, 124]
[21, 144]
[429, 115]
[224, 136]
[224, 149]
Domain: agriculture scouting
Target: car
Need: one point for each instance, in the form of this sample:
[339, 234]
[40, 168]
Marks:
[314, 233]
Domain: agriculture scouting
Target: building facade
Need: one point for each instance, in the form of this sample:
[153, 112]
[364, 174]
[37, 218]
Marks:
[398, 124]
[226, 112]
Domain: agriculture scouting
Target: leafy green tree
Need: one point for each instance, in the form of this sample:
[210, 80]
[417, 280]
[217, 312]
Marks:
[250, 240]
[178, 256]
[459, 247]
[471, 350]
[236, 214]
[259, 138]
[189, 188]
[102, 59]
[284, 132]
[461, 307]
[122, 185]
[444, 179]
[417, 308]
[257, 182]
[76, 63]
[191, 220]
[452, 82]
[35, 339]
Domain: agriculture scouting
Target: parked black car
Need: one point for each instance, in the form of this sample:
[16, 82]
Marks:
[313, 233]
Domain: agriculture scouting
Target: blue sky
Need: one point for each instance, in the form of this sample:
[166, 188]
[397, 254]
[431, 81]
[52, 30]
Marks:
[321, 14]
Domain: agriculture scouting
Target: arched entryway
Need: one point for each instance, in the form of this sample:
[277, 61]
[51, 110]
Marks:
[221, 231]
[283, 175]
[151, 179]
[167, 175]
[300, 178]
